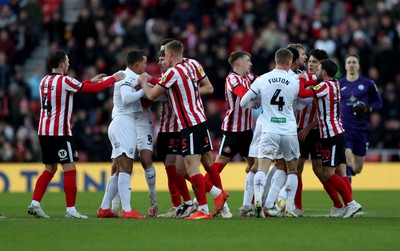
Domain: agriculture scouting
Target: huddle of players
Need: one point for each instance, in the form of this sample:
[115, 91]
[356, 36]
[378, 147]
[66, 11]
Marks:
[282, 181]
[319, 134]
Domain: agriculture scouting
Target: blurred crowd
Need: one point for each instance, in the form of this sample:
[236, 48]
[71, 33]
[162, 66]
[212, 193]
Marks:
[98, 33]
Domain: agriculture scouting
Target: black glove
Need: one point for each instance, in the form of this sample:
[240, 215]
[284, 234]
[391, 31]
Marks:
[361, 108]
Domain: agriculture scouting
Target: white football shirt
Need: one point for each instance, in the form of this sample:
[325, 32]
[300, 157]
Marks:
[126, 98]
[278, 90]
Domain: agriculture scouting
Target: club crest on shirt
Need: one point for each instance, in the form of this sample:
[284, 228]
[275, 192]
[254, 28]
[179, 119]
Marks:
[201, 70]
[361, 87]
[317, 87]
[163, 78]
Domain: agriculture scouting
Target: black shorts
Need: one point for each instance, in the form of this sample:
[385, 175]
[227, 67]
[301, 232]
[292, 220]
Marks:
[168, 143]
[195, 140]
[233, 143]
[333, 150]
[58, 149]
[311, 146]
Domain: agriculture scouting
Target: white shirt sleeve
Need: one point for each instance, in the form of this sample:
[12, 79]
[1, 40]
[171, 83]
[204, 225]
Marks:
[128, 96]
[246, 101]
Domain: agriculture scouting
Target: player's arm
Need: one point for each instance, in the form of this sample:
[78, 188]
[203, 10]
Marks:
[205, 86]
[128, 96]
[305, 131]
[240, 90]
[95, 85]
[375, 97]
[306, 93]
[151, 93]
[246, 100]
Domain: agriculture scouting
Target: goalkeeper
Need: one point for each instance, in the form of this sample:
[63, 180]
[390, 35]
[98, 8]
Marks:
[359, 97]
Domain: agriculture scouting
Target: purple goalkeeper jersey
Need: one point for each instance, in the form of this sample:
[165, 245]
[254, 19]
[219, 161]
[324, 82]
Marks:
[363, 89]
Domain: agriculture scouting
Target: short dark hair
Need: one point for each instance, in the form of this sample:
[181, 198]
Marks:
[319, 54]
[134, 56]
[352, 55]
[57, 57]
[329, 66]
[163, 42]
[236, 55]
[166, 41]
[295, 53]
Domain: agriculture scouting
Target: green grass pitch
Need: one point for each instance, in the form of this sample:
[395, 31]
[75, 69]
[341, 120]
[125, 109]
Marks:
[378, 228]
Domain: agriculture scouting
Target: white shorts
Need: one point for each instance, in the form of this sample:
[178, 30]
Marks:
[122, 134]
[255, 143]
[144, 130]
[275, 146]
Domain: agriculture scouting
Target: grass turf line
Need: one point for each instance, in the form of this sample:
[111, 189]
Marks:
[377, 228]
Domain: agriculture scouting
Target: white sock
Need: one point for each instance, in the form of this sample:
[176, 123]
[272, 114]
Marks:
[290, 188]
[150, 174]
[248, 189]
[116, 201]
[109, 193]
[291, 185]
[204, 208]
[35, 203]
[270, 174]
[71, 209]
[278, 180]
[259, 182]
[124, 189]
[215, 191]
[189, 203]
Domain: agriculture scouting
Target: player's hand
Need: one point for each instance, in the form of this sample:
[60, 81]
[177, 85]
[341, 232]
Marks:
[119, 75]
[256, 104]
[148, 76]
[98, 78]
[360, 108]
[302, 135]
[143, 79]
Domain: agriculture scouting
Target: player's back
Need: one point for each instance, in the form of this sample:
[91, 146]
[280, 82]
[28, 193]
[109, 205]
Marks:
[278, 91]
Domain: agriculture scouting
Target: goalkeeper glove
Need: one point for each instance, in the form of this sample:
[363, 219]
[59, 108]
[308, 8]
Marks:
[361, 108]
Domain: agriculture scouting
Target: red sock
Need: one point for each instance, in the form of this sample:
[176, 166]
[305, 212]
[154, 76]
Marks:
[299, 192]
[333, 194]
[41, 185]
[182, 186]
[348, 184]
[70, 187]
[213, 173]
[341, 187]
[187, 178]
[208, 185]
[199, 189]
[173, 190]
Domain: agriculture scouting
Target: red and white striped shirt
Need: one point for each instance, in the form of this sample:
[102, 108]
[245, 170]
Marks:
[237, 118]
[168, 121]
[328, 102]
[183, 93]
[56, 95]
[305, 116]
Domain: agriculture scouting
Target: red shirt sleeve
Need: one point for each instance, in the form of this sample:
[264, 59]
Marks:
[240, 90]
[89, 87]
[306, 93]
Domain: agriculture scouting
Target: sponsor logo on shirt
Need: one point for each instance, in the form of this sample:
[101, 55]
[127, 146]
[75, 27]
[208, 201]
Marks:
[278, 120]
